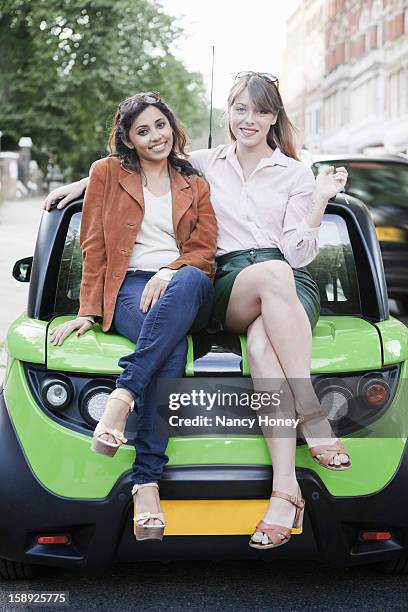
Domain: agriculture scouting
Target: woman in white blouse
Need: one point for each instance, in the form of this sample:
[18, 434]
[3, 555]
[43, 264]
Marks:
[269, 210]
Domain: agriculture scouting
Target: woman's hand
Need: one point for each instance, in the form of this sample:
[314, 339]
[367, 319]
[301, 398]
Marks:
[153, 291]
[71, 192]
[329, 183]
[62, 331]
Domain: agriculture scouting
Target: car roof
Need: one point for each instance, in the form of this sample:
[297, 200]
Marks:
[383, 157]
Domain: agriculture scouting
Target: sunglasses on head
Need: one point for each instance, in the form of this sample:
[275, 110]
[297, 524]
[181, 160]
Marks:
[150, 97]
[266, 76]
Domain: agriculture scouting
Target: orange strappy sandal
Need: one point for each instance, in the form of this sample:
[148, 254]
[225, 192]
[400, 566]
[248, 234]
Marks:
[326, 452]
[277, 534]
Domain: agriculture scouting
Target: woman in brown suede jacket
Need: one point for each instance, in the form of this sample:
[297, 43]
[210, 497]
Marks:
[148, 237]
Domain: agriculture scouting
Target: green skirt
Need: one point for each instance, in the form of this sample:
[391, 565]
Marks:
[231, 264]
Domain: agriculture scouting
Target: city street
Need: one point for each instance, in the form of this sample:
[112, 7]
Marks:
[229, 585]
[198, 585]
[19, 221]
[280, 139]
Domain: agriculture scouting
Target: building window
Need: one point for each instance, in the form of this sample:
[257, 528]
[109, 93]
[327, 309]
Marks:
[373, 37]
[376, 10]
[363, 20]
[406, 90]
[402, 90]
[347, 51]
[393, 90]
[343, 109]
[380, 34]
[317, 121]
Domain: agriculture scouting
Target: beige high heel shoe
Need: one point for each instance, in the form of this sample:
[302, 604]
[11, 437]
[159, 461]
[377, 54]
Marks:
[277, 534]
[104, 447]
[142, 530]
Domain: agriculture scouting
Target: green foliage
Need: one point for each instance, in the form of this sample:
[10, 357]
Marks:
[66, 64]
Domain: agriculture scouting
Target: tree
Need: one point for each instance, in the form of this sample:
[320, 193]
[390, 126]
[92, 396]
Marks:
[66, 64]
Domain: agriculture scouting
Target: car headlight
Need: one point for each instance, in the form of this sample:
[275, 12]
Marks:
[334, 398]
[56, 392]
[335, 401]
[93, 402]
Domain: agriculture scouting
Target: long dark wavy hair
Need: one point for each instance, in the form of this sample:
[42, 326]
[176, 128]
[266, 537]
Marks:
[265, 96]
[127, 112]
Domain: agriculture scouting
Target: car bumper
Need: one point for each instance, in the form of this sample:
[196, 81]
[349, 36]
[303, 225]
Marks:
[101, 531]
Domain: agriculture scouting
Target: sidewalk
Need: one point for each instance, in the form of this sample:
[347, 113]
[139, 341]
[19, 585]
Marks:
[19, 222]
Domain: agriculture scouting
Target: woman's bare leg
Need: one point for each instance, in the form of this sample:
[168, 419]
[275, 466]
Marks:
[268, 289]
[268, 376]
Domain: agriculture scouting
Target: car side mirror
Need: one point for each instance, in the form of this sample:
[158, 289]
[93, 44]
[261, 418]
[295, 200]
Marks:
[22, 269]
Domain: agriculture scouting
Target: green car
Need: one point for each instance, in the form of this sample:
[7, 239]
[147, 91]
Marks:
[64, 506]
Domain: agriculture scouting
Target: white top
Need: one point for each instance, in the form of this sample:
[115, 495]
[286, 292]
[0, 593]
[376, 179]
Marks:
[266, 210]
[155, 244]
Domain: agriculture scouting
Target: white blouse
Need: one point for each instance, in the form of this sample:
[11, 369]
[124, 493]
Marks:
[266, 210]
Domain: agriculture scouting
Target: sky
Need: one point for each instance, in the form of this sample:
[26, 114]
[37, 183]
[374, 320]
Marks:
[247, 35]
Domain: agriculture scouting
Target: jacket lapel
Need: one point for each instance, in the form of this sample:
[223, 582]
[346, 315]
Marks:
[132, 183]
[182, 196]
[181, 192]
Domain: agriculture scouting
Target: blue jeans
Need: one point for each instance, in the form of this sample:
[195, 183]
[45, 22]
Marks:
[161, 337]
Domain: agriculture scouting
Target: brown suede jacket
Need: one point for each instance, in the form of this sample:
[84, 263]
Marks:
[112, 215]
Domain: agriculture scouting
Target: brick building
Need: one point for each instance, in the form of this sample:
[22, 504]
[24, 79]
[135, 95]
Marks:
[358, 96]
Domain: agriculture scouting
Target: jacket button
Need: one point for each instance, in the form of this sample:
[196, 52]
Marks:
[124, 251]
[116, 274]
[131, 224]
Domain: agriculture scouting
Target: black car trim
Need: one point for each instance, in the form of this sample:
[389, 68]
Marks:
[101, 530]
[73, 416]
[373, 292]
[373, 288]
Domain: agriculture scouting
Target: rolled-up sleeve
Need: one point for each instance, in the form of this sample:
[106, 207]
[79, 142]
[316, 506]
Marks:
[299, 241]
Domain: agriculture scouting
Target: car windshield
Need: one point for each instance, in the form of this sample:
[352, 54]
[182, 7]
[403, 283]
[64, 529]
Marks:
[374, 182]
[333, 269]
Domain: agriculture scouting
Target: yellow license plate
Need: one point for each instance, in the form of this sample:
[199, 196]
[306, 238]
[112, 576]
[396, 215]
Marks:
[390, 234]
[196, 517]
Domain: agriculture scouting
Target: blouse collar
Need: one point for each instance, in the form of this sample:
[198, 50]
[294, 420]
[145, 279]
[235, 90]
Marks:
[276, 159]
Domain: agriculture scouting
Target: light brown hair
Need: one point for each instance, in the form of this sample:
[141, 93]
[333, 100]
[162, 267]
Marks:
[265, 96]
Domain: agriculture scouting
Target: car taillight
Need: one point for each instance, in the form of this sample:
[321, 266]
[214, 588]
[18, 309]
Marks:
[54, 539]
[352, 401]
[375, 535]
[375, 392]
